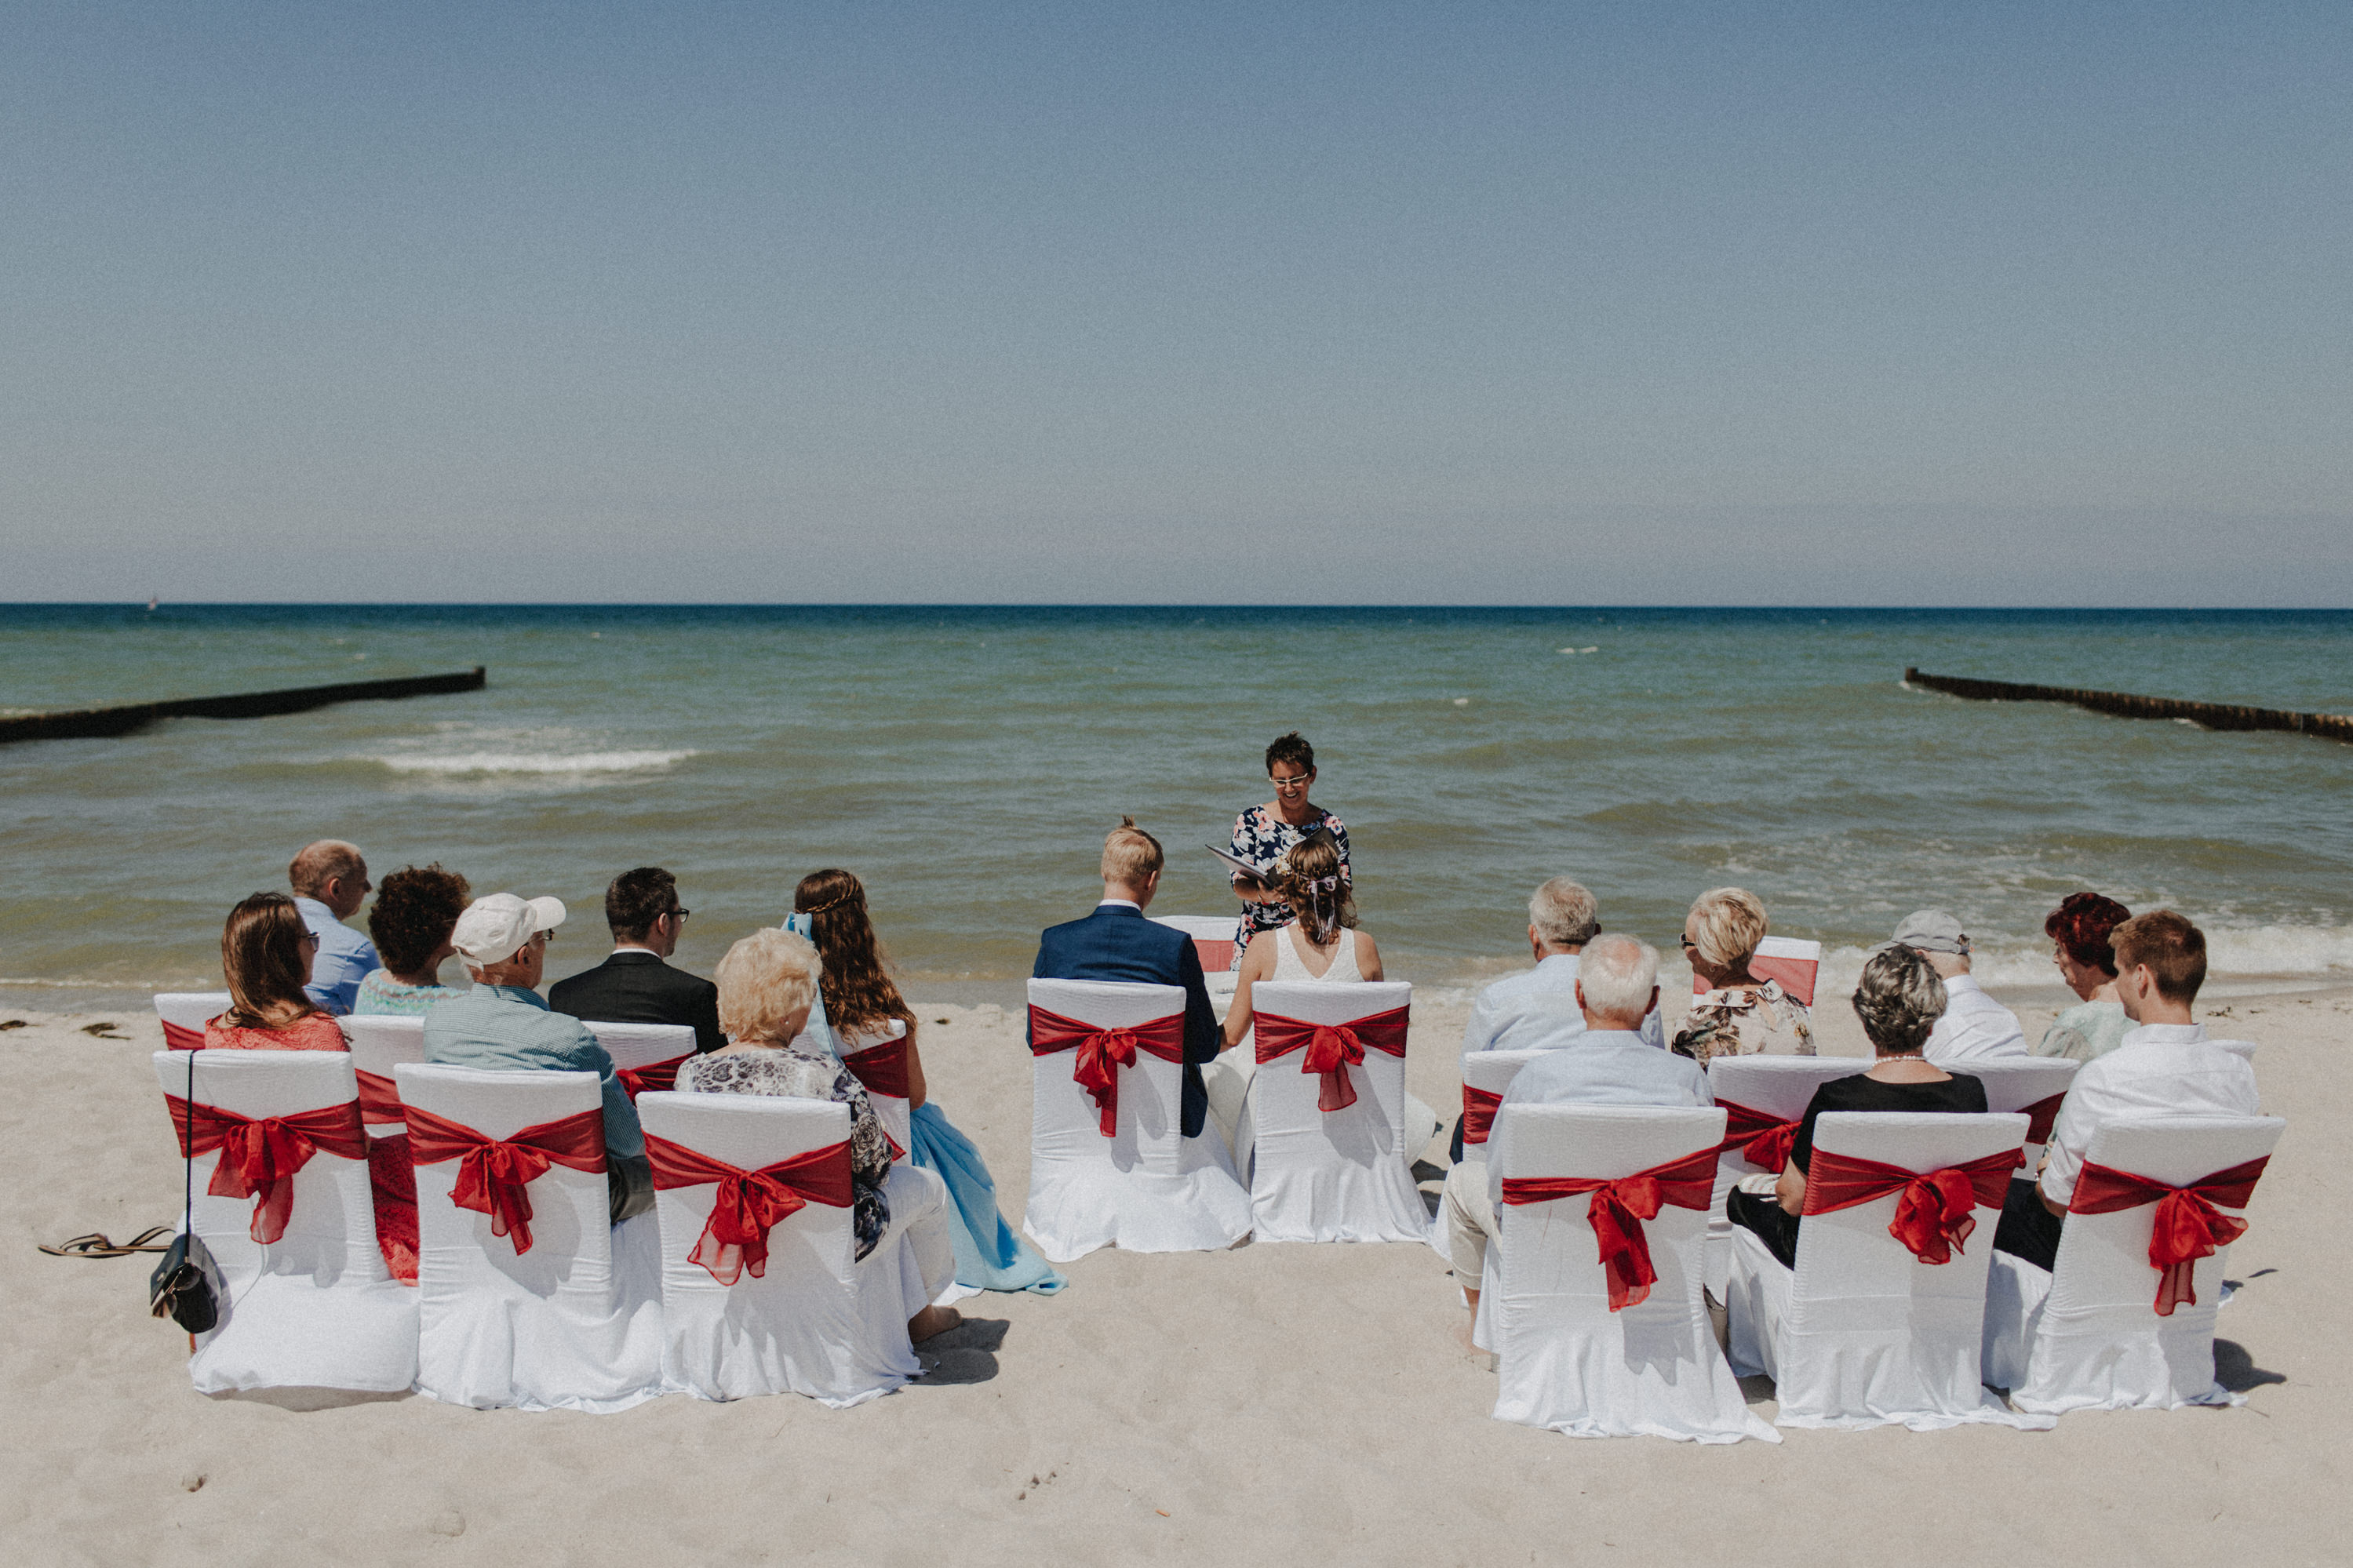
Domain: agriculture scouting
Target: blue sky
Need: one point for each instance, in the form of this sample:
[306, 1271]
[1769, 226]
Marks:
[1738, 303]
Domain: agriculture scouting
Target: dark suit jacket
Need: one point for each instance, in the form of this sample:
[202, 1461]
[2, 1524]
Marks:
[637, 987]
[1116, 942]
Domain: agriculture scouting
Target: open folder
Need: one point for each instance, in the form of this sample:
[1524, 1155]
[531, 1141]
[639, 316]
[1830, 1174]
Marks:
[1251, 868]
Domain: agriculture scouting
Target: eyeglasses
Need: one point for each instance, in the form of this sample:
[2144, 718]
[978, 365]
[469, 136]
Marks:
[679, 914]
[311, 938]
[1689, 946]
[1296, 781]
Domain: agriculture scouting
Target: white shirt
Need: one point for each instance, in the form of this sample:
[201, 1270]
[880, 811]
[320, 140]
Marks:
[1121, 904]
[1974, 1026]
[2160, 1070]
[1536, 1010]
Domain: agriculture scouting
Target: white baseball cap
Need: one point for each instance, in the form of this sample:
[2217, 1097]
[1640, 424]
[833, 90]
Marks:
[493, 929]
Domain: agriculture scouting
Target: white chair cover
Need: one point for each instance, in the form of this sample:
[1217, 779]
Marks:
[1794, 962]
[2019, 1083]
[1779, 1087]
[315, 1309]
[1342, 1175]
[576, 1322]
[2086, 1336]
[380, 1042]
[189, 1011]
[1213, 944]
[1864, 1333]
[1491, 1071]
[1147, 1189]
[890, 1110]
[1566, 1361]
[817, 1322]
[637, 1046]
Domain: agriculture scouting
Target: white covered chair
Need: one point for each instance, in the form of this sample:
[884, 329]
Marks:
[2087, 1335]
[185, 1013]
[1793, 962]
[379, 1043]
[813, 1322]
[645, 1056]
[1213, 944]
[1564, 1359]
[575, 1323]
[1864, 1333]
[2033, 1085]
[1759, 1094]
[1485, 1077]
[1145, 1188]
[314, 1308]
[1329, 1175]
[881, 1068]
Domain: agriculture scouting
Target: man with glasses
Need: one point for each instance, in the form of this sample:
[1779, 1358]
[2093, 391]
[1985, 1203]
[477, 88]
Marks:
[331, 882]
[1265, 834]
[636, 984]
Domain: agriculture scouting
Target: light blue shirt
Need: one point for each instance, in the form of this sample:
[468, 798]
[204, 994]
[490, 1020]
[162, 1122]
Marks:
[1536, 1010]
[1605, 1066]
[508, 1026]
[344, 958]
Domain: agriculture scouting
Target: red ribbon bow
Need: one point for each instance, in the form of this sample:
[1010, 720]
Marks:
[1479, 1109]
[1934, 1216]
[180, 1038]
[1620, 1206]
[494, 1175]
[749, 1203]
[653, 1076]
[1763, 1141]
[2188, 1225]
[1331, 1048]
[1101, 1052]
[2040, 1115]
[261, 1155]
[881, 1068]
[379, 1100]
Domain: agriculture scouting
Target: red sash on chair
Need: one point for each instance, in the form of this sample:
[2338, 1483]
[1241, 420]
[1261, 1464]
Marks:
[1619, 1208]
[881, 1068]
[1479, 1109]
[495, 1174]
[2188, 1225]
[1933, 1218]
[2040, 1115]
[1101, 1052]
[260, 1156]
[735, 1239]
[1331, 1048]
[379, 1100]
[180, 1038]
[1763, 1141]
[655, 1076]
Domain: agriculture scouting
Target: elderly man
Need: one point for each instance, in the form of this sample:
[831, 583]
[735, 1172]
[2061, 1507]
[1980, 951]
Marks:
[1536, 1009]
[635, 985]
[1974, 1026]
[1608, 1062]
[330, 881]
[503, 1023]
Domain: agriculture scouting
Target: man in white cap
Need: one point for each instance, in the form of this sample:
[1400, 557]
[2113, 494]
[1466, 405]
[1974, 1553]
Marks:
[1974, 1026]
[503, 1023]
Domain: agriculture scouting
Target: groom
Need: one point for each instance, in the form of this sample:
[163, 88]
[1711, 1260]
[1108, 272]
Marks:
[1116, 942]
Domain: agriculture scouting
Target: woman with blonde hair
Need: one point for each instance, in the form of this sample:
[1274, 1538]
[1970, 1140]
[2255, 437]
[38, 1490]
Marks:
[266, 950]
[1738, 1014]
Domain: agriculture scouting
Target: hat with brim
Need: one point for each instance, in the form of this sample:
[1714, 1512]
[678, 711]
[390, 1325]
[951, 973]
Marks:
[1929, 930]
[493, 929]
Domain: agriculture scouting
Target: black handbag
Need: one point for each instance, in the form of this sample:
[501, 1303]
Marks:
[186, 1285]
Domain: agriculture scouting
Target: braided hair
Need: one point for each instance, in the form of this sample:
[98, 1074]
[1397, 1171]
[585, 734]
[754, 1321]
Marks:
[1309, 879]
[855, 982]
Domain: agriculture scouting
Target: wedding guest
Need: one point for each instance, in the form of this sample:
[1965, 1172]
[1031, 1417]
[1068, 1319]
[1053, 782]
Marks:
[266, 955]
[1536, 1009]
[636, 984]
[2164, 1066]
[1899, 999]
[414, 913]
[503, 1023]
[767, 984]
[1116, 942]
[1264, 834]
[1738, 1014]
[331, 882]
[2079, 930]
[1974, 1026]
[1607, 1063]
[864, 1009]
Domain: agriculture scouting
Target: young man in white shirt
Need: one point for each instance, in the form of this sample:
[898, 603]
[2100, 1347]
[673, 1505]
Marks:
[2165, 1067]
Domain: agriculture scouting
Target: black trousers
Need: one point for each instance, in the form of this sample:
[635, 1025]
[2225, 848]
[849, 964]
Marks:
[1773, 1225]
[2028, 1230]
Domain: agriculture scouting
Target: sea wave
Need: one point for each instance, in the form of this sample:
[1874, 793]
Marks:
[2250, 951]
[528, 762]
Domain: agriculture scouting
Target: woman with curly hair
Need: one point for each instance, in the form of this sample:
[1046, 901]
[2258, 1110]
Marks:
[2079, 930]
[414, 912]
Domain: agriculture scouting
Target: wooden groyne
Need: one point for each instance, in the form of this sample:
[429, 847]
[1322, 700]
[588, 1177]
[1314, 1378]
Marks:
[2211, 715]
[83, 723]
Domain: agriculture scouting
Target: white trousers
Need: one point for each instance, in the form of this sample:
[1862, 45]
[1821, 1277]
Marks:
[1470, 1221]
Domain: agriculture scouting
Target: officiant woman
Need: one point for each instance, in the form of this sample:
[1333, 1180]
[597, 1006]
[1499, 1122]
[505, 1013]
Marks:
[1264, 834]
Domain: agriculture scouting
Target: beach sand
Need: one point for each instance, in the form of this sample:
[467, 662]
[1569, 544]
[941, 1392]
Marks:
[1274, 1404]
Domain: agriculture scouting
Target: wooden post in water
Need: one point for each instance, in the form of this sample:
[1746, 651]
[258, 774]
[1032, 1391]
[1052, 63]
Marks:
[2209, 715]
[88, 722]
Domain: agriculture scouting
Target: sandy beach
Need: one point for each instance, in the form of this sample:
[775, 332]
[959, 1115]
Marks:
[1272, 1403]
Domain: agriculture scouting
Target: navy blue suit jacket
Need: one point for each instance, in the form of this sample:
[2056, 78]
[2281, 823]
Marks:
[1116, 942]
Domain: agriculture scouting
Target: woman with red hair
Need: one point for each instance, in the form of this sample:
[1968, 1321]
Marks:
[2079, 930]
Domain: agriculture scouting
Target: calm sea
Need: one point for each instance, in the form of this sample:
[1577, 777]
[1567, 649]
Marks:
[965, 762]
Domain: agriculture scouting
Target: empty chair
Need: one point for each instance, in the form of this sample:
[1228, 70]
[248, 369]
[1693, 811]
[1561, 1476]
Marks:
[1794, 962]
[185, 1013]
[1109, 1164]
[531, 1297]
[2108, 1328]
[1321, 1128]
[1763, 1098]
[1592, 1306]
[645, 1056]
[882, 1070]
[761, 1292]
[381, 1042]
[1213, 944]
[1867, 1330]
[2033, 1085]
[287, 1217]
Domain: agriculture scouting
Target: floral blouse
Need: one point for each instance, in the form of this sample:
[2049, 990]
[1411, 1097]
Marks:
[311, 1032]
[808, 1075]
[1262, 839]
[1745, 1021]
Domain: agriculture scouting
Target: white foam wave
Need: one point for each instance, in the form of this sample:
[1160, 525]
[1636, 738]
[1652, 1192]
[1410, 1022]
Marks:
[2269, 949]
[529, 762]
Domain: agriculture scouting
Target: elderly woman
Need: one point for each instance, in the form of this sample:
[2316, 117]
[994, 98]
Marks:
[414, 913]
[1899, 1000]
[2079, 928]
[266, 955]
[1738, 1014]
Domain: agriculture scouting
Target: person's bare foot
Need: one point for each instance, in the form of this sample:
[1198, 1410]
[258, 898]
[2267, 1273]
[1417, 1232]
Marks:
[931, 1322]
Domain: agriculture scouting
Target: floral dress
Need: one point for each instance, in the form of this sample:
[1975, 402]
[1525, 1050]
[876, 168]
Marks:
[1745, 1021]
[806, 1075]
[1262, 839]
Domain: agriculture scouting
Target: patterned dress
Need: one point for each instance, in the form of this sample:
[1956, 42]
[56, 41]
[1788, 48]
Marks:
[1745, 1021]
[311, 1032]
[1262, 839]
[380, 993]
[806, 1075]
